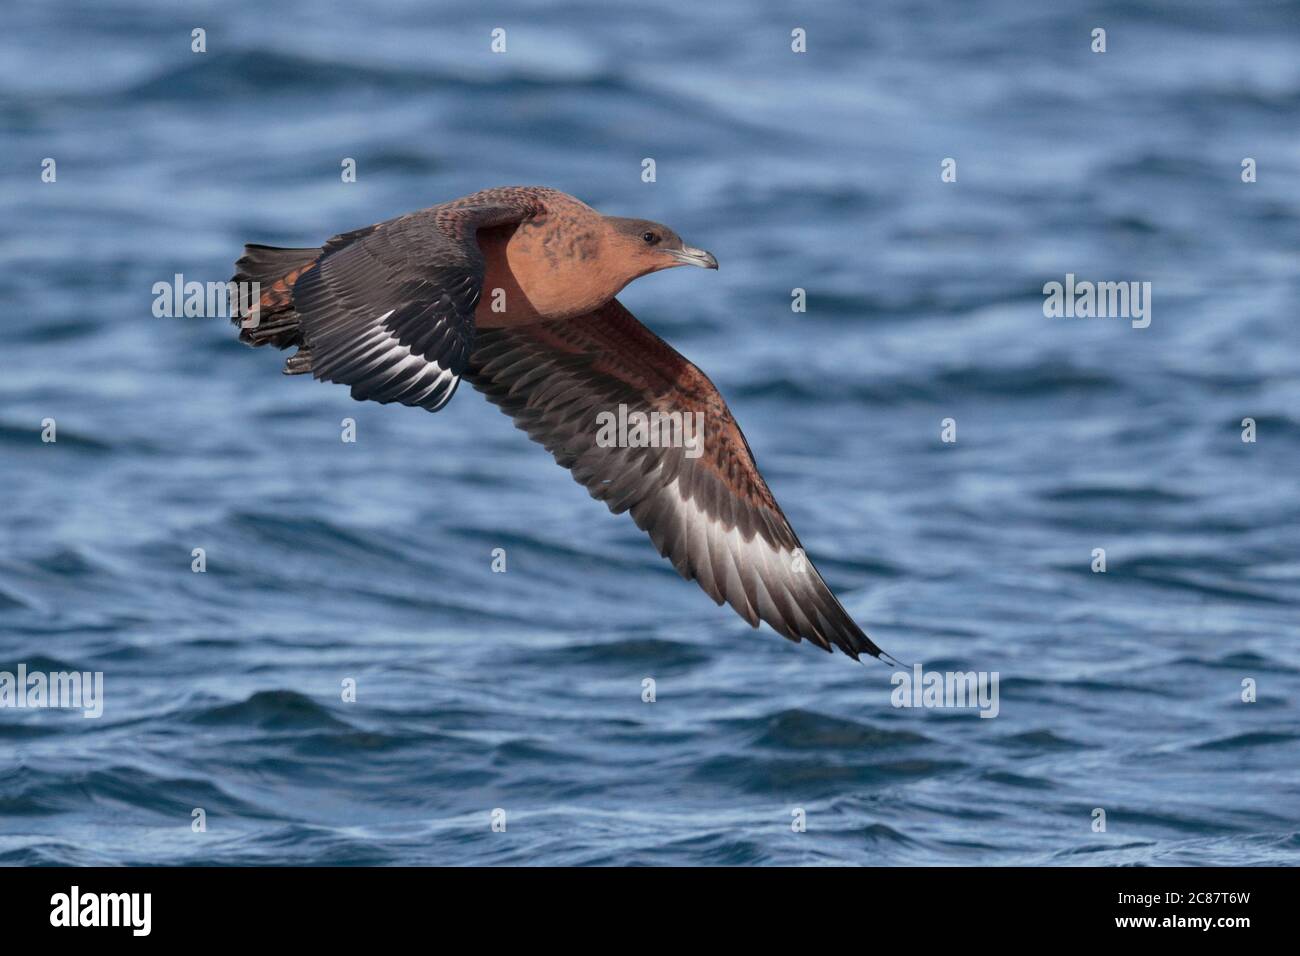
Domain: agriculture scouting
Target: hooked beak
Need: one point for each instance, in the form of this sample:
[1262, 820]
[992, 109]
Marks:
[690, 256]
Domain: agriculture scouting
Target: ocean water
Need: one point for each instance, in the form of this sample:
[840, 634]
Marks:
[522, 692]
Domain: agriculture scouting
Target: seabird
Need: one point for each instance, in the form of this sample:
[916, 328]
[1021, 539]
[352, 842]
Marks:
[513, 289]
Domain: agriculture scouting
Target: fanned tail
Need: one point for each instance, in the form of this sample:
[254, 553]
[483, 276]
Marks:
[275, 270]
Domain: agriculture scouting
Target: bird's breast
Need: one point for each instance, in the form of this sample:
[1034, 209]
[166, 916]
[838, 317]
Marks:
[540, 272]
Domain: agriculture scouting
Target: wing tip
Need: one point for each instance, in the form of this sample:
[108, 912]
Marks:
[871, 650]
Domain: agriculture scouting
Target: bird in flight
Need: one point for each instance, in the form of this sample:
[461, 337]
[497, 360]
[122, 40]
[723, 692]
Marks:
[513, 289]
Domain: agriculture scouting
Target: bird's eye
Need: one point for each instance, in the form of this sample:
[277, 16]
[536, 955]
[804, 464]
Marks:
[650, 238]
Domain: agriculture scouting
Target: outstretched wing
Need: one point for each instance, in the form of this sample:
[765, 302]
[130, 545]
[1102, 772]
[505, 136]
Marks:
[706, 508]
[389, 309]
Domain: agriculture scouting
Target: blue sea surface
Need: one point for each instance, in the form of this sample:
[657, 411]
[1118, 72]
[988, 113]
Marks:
[522, 691]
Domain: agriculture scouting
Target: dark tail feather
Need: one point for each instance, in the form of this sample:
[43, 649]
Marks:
[275, 271]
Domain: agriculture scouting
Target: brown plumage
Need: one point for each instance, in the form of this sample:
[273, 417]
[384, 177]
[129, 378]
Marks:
[513, 289]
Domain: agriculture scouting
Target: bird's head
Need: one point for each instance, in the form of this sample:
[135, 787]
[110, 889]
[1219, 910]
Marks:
[650, 246]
